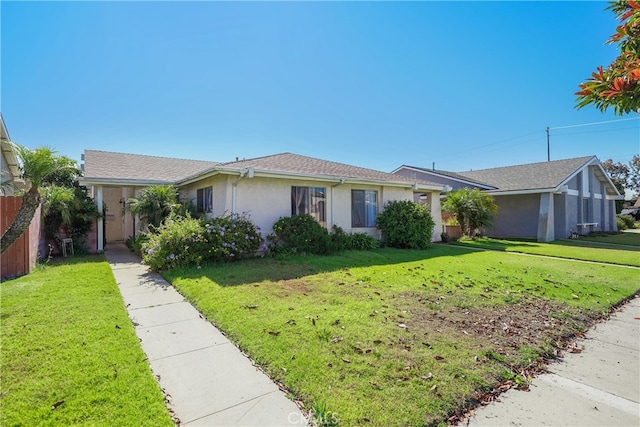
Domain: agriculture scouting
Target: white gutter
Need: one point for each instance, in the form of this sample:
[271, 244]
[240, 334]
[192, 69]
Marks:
[332, 198]
[532, 191]
[122, 181]
[249, 173]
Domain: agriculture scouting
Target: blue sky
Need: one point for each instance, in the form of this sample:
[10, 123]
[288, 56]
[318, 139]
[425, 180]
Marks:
[464, 85]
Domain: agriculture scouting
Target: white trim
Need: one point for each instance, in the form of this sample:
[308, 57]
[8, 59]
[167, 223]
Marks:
[441, 175]
[265, 173]
[516, 192]
[121, 181]
[98, 196]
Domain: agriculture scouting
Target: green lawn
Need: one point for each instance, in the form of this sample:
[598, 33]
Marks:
[625, 238]
[69, 353]
[393, 337]
[623, 249]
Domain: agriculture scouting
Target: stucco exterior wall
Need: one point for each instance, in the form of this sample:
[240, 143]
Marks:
[517, 216]
[265, 200]
[561, 216]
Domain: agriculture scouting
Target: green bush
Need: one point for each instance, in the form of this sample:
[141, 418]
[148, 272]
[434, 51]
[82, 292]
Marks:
[352, 241]
[231, 237]
[185, 241]
[135, 244]
[177, 242]
[406, 224]
[300, 234]
[362, 242]
[625, 221]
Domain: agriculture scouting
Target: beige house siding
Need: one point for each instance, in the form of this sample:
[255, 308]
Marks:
[265, 200]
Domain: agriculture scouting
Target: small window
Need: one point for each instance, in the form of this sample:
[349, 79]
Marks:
[364, 208]
[204, 202]
[309, 200]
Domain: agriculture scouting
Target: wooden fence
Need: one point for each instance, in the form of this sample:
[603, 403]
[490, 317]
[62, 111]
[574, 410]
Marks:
[22, 255]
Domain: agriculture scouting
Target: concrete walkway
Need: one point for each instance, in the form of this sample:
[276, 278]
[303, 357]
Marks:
[209, 381]
[600, 386]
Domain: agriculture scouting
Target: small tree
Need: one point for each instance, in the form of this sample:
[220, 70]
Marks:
[154, 204]
[406, 224]
[473, 209]
[36, 166]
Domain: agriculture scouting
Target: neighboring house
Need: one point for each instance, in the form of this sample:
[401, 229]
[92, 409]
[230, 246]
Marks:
[266, 188]
[546, 200]
[9, 168]
[21, 257]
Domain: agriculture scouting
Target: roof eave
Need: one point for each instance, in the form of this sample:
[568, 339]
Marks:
[87, 181]
[445, 176]
[558, 189]
[267, 173]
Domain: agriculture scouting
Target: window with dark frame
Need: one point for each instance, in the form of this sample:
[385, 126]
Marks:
[309, 200]
[204, 200]
[364, 208]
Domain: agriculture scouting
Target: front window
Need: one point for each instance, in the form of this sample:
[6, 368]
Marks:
[309, 200]
[364, 208]
[204, 203]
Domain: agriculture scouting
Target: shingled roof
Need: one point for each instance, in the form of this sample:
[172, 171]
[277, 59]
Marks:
[303, 165]
[105, 166]
[531, 176]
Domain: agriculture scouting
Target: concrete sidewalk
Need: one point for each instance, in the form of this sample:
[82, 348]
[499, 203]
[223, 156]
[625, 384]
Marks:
[210, 382]
[599, 386]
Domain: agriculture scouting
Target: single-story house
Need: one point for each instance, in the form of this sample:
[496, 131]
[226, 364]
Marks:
[266, 188]
[546, 200]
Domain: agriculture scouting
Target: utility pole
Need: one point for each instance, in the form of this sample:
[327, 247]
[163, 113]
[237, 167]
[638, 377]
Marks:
[548, 148]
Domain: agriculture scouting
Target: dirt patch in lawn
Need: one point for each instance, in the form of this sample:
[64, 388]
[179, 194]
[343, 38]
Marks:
[528, 322]
[523, 335]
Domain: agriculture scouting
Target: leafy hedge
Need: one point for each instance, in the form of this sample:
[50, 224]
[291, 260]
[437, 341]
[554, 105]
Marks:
[302, 234]
[184, 241]
[625, 222]
[406, 224]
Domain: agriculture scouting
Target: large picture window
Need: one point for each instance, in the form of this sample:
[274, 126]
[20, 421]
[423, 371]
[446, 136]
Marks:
[364, 208]
[204, 203]
[309, 200]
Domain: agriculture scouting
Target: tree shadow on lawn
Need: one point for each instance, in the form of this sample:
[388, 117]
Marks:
[294, 267]
[74, 259]
[499, 244]
[520, 245]
[601, 244]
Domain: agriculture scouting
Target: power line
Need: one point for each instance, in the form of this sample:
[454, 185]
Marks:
[593, 123]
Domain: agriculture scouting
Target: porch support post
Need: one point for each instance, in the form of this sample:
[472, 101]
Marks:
[101, 219]
[546, 232]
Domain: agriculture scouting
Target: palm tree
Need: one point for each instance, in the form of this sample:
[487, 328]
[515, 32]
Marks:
[473, 209]
[154, 204]
[36, 166]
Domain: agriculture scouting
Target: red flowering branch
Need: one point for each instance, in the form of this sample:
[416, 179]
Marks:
[617, 86]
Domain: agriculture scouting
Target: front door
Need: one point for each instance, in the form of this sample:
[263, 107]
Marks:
[113, 219]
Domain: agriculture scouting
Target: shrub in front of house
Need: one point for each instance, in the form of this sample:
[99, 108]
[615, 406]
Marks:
[625, 222]
[231, 237]
[300, 234]
[186, 241]
[135, 243]
[353, 241]
[406, 224]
